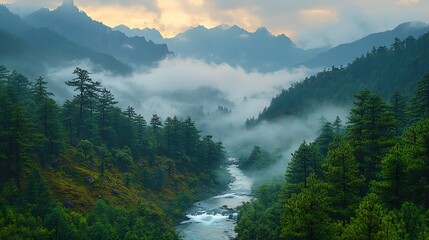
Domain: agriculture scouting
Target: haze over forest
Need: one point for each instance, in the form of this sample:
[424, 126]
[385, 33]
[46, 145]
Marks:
[154, 104]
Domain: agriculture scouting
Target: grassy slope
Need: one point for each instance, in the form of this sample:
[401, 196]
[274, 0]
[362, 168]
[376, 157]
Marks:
[69, 184]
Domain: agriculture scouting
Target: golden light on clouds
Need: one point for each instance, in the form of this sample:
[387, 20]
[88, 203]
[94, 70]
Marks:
[196, 2]
[173, 16]
[243, 18]
[113, 15]
[318, 15]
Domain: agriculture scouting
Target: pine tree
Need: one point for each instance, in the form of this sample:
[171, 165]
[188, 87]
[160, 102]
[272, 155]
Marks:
[371, 132]
[416, 147]
[168, 125]
[337, 126]
[372, 222]
[177, 137]
[41, 93]
[191, 137]
[393, 183]
[142, 142]
[420, 102]
[412, 221]
[305, 214]
[17, 87]
[106, 103]
[326, 136]
[305, 160]
[398, 109]
[86, 98]
[47, 114]
[344, 181]
[155, 123]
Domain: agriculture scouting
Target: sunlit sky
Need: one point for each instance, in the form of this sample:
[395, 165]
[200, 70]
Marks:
[310, 23]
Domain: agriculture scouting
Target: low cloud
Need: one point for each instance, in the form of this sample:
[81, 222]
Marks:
[177, 85]
[191, 87]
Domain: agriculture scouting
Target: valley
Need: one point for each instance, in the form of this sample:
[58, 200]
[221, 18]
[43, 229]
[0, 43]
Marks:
[214, 120]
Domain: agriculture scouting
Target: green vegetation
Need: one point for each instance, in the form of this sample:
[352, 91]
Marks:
[257, 160]
[383, 71]
[367, 180]
[90, 170]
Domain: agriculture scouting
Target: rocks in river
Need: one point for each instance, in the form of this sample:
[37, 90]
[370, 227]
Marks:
[225, 207]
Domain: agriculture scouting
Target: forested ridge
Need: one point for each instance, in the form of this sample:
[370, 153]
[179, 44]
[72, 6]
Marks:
[383, 70]
[87, 169]
[364, 177]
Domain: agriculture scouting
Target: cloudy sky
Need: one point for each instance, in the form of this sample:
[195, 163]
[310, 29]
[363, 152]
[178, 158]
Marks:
[310, 23]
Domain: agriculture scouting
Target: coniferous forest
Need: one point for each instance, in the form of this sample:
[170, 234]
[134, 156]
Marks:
[339, 152]
[364, 177]
[88, 169]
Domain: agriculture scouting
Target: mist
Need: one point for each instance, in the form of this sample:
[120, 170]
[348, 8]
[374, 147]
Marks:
[189, 87]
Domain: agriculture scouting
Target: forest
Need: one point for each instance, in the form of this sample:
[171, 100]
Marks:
[88, 169]
[383, 70]
[364, 177]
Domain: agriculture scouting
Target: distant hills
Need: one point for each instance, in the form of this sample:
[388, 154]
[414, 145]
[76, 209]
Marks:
[149, 34]
[263, 51]
[74, 25]
[52, 37]
[346, 53]
[259, 50]
[31, 50]
[253, 51]
[384, 70]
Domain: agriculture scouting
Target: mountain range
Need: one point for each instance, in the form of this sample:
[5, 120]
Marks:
[67, 33]
[263, 51]
[253, 51]
[148, 33]
[46, 39]
[31, 50]
[77, 26]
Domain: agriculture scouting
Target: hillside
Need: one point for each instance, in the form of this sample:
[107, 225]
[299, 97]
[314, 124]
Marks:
[32, 50]
[90, 170]
[73, 24]
[383, 70]
[365, 179]
[344, 54]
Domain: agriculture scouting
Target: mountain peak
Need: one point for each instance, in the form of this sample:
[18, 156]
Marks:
[68, 5]
[414, 24]
[263, 31]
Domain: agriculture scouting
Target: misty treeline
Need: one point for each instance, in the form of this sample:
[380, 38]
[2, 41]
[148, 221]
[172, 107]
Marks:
[257, 160]
[56, 157]
[367, 178]
[383, 70]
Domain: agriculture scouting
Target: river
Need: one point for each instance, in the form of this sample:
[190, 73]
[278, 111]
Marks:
[214, 218]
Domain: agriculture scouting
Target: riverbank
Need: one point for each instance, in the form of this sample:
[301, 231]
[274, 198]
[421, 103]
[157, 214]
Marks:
[215, 217]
